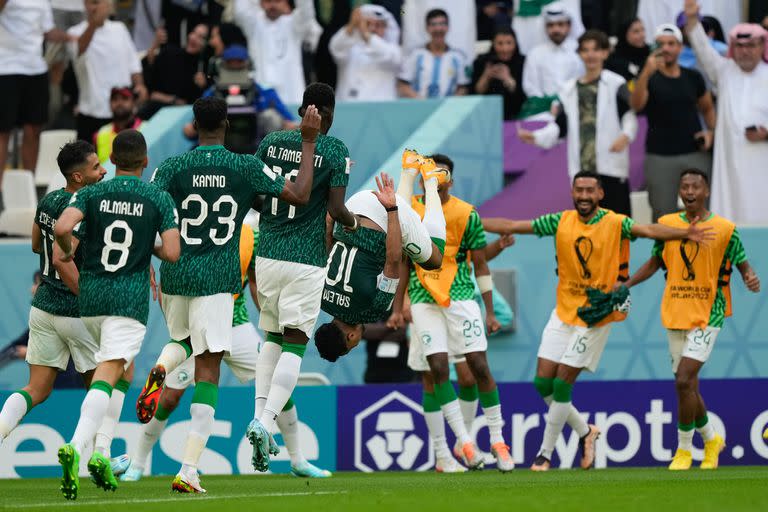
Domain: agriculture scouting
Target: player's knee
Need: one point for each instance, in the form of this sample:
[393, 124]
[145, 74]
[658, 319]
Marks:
[544, 385]
[685, 382]
[330, 341]
[39, 393]
[479, 366]
[440, 370]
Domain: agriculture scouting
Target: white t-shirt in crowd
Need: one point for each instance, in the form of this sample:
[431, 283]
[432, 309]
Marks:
[367, 71]
[23, 23]
[109, 62]
[462, 32]
[548, 66]
[69, 5]
[435, 76]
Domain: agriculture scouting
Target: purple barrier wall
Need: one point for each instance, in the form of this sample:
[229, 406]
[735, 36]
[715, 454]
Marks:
[381, 428]
[541, 184]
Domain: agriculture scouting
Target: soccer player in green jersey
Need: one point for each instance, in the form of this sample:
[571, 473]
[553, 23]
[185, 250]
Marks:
[357, 290]
[122, 218]
[213, 189]
[446, 319]
[56, 332]
[290, 263]
[694, 306]
[246, 343]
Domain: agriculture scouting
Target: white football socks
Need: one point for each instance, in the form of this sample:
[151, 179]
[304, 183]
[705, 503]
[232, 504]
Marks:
[265, 369]
[558, 412]
[685, 439]
[495, 423]
[405, 187]
[150, 433]
[14, 410]
[452, 413]
[199, 432]
[434, 218]
[107, 429]
[707, 431]
[468, 412]
[172, 355]
[436, 427]
[575, 421]
[288, 423]
[283, 383]
[92, 414]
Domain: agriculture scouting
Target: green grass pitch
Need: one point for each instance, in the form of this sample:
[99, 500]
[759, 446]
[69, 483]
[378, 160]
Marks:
[615, 490]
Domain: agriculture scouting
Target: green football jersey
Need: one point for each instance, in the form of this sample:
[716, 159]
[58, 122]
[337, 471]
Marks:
[213, 189]
[283, 225]
[240, 315]
[351, 292]
[52, 295]
[122, 219]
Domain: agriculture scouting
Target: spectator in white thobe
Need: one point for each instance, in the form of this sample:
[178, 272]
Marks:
[739, 180]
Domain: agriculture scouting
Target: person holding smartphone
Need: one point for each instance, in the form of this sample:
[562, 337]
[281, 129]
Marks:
[675, 100]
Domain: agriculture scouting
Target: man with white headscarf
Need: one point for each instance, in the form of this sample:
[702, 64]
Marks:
[552, 63]
[368, 55]
[529, 22]
[741, 134]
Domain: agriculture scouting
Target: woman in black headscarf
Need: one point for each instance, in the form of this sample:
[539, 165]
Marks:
[500, 72]
[628, 58]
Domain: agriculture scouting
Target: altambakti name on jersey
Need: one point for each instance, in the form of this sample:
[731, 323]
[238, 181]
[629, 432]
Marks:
[122, 219]
[213, 189]
[52, 295]
[351, 291]
[297, 233]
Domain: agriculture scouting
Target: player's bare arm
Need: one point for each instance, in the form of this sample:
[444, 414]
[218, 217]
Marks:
[394, 243]
[338, 210]
[751, 281]
[506, 226]
[37, 239]
[328, 232]
[67, 270]
[694, 233]
[483, 275]
[396, 319]
[63, 231]
[170, 247]
[644, 272]
[297, 192]
[497, 246]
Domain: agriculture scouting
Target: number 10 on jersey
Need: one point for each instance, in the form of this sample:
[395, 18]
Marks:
[288, 177]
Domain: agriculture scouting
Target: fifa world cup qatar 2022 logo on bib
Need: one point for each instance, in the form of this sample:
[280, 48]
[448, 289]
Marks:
[391, 435]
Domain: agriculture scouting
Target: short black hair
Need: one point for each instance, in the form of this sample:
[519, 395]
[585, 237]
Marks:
[588, 174]
[598, 36]
[210, 113]
[330, 341]
[436, 13]
[695, 172]
[232, 34]
[129, 149]
[320, 95]
[73, 155]
[503, 30]
[442, 159]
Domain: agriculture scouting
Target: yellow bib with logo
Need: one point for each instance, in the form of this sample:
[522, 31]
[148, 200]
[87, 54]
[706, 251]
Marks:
[693, 274]
[246, 253]
[589, 256]
[438, 282]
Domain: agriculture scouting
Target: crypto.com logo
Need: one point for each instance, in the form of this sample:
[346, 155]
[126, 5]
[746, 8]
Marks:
[390, 434]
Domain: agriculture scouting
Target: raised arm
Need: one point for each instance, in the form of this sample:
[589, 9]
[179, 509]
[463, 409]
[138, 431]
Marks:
[67, 270]
[644, 272]
[248, 16]
[639, 98]
[338, 210]
[396, 319]
[707, 57]
[298, 192]
[386, 196]
[63, 231]
[170, 246]
[497, 246]
[502, 226]
[302, 17]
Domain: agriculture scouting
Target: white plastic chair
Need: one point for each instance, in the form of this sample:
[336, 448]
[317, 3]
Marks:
[641, 208]
[20, 200]
[57, 181]
[51, 142]
[483, 46]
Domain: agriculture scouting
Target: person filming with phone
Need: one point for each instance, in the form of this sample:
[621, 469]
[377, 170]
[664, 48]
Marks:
[739, 179]
[676, 101]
